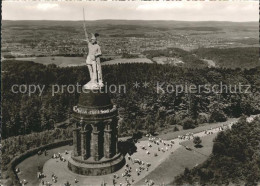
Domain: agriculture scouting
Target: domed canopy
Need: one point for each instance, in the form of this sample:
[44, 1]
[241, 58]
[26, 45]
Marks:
[94, 105]
[95, 100]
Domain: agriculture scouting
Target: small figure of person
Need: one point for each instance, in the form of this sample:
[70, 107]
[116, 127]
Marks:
[114, 182]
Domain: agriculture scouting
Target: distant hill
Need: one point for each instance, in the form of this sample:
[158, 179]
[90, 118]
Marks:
[159, 23]
[228, 44]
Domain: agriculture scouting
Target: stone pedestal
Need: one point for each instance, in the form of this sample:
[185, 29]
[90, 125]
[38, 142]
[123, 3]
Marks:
[95, 135]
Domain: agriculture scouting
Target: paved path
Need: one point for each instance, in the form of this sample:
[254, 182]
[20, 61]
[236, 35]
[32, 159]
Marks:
[182, 158]
[60, 169]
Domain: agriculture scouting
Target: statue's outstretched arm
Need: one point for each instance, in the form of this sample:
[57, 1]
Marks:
[86, 34]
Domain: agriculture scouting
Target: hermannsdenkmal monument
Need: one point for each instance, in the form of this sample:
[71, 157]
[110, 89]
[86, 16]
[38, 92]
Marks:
[95, 134]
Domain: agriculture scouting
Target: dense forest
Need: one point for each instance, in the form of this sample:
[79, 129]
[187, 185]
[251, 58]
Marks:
[235, 158]
[231, 57]
[246, 57]
[140, 109]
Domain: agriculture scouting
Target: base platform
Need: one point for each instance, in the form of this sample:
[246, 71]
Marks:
[96, 168]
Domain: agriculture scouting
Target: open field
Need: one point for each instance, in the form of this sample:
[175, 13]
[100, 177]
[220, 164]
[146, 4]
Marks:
[130, 60]
[57, 60]
[79, 61]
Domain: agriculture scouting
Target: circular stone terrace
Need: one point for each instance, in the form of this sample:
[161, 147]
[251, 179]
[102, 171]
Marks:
[60, 168]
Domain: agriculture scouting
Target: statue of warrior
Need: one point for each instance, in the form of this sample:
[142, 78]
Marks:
[93, 62]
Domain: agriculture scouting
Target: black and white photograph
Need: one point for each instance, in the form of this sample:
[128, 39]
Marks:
[122, 93]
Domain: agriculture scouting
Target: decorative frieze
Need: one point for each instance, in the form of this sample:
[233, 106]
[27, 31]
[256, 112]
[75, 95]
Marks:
[82, 110]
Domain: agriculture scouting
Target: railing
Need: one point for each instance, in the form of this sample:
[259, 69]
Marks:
[18, 159]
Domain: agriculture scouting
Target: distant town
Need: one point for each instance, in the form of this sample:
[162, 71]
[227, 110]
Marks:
[20, 40]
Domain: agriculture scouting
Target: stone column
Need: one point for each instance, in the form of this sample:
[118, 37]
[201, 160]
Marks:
[83, 144]
[108, 141]
[94, 143]
[116, 138]
[88, 145]
[76, 142]
[116, 142]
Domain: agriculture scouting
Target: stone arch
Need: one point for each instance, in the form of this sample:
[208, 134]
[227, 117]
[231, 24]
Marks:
[87, 127]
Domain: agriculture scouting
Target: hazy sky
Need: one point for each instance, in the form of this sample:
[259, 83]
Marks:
[162, 10]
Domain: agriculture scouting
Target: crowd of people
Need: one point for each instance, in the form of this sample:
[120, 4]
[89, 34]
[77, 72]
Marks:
[54, 177]
[187, 136]
[129, 171]
[190, 135]
[134, 167]
[158, 141]
[142, 166]
[59, 156]
[23, 182]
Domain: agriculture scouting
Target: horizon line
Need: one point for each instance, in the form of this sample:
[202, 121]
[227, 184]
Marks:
[126, 20]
